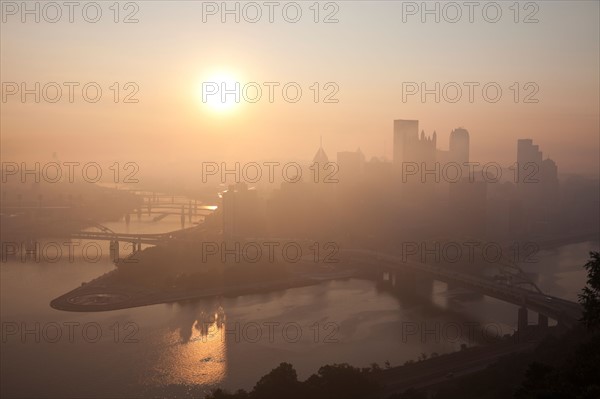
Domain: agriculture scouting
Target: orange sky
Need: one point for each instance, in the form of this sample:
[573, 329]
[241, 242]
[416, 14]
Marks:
[368, 54]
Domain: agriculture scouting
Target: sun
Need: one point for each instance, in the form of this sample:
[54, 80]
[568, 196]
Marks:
[220, 91]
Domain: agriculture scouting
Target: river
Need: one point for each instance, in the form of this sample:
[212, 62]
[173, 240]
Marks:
[231, 342]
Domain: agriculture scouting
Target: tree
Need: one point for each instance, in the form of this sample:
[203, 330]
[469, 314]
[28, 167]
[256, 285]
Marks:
[281, 382]
[538, 380]
[590, 296]
[341, 381]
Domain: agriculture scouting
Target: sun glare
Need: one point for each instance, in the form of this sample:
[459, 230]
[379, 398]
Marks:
[220, 92]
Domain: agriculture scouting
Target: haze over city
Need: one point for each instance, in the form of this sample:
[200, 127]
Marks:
[353, 199]
[369, 53]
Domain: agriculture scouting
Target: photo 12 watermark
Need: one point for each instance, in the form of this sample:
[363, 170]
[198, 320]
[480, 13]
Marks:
[452, 12]
[471, 172]
[471, 92]
[270, 252]
[234, 92]
[252, 12]
[49, 252]
[269, 172]
[69, 92]
[69, 172]
[53, 12]
[271, 332]
[71, 332]
[470, 252]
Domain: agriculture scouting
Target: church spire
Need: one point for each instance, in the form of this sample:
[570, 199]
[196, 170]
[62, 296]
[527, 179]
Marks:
[320, 157]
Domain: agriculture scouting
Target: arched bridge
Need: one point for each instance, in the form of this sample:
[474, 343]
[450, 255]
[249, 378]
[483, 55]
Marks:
[563, 311]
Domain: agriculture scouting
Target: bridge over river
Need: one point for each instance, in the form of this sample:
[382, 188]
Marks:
[565, 312]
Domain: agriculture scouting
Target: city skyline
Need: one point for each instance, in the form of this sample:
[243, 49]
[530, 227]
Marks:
[558, 107]
[299, 199]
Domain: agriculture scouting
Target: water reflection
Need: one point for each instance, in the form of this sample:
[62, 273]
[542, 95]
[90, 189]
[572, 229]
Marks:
[192, 349]
[191, 343]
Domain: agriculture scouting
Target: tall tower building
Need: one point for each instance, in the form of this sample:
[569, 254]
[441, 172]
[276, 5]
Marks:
[409, 147]
[459, 146]
[530, 186]
[549, 183]
[405, 133]
[529, 161]
[351, 166]
[241, 215]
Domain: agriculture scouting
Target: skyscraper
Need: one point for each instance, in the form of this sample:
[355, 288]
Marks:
[459, 146]
[351, 166]
[405, 132]
[409, 147]
[529, 161]
[537, 183]
[241, 215]
[549, 184]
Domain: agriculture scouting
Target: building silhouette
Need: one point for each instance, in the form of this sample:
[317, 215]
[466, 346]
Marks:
[320, 156]
[351, 166]
[242, 216]
[459, 146]
[529, 162]
[537, 186]
[321, 168]
[406, 132]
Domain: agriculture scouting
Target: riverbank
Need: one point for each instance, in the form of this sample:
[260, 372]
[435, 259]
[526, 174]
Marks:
[107, 293]
[101, 294]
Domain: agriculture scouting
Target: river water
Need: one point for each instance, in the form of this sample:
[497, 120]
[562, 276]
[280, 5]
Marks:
[231, 342]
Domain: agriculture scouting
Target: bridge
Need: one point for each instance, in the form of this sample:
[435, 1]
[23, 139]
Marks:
[186, 208]
[151, 239]
[565, 312]
[69, 229]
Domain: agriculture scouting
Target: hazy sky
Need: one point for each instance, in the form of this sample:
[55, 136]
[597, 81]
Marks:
[368, 54]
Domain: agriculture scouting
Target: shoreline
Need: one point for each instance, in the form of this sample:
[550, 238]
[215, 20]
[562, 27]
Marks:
[102, 295]
[98, 293]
